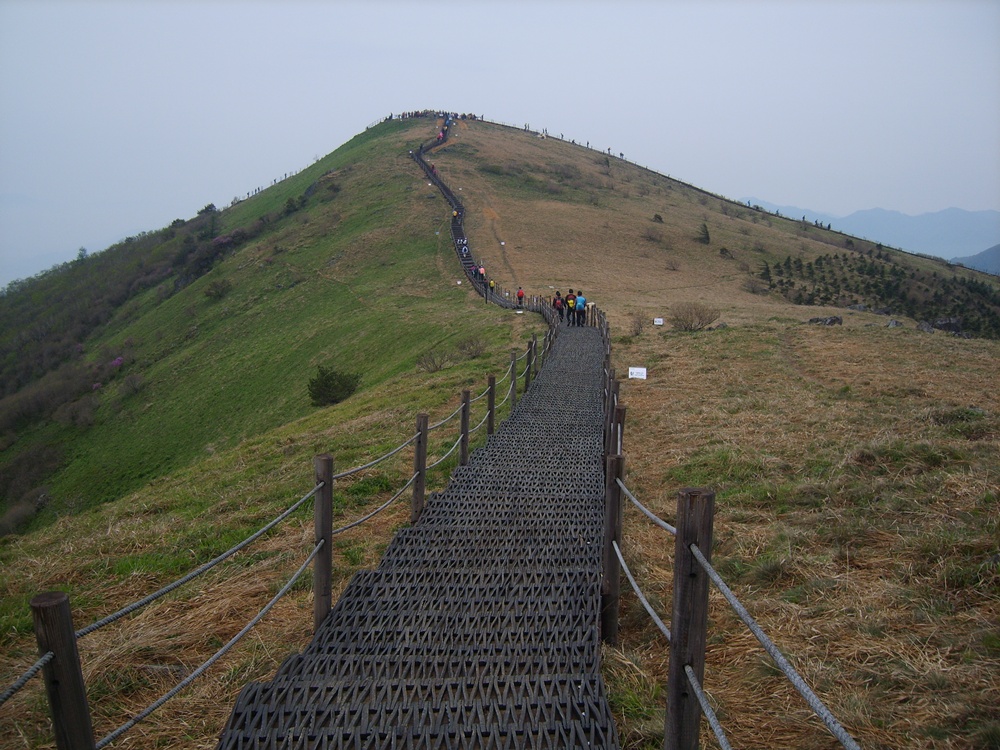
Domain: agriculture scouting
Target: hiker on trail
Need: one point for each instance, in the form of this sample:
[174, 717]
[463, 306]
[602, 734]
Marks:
[570, 308]
[560, 305]
[520, 297]
[581, 309]
[491, 290]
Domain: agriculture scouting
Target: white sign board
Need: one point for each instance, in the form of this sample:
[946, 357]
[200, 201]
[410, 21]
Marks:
[637, 373]
[657, 321]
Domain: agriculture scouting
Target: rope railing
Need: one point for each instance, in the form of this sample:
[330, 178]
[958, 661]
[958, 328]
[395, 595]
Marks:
[814, 702]
[505, 399]
[378, 510]
[481, 395]
[706, 707]
[713, 720]
[638, 592]
[445, 456]
[774, 652]
[447, 419]
[212, 660]
[486, 416]
[378, 460]
[23, 680]
[135, 606]
[649, 514]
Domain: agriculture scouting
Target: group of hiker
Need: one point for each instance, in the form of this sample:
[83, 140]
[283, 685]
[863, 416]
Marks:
[572, 307]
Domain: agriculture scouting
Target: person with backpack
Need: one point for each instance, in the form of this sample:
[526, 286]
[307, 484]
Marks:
[581, 309]
[570, 308]
[520, 297]
[560, 305]
[491, 290]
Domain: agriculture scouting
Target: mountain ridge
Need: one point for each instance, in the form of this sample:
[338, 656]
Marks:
[950, 233]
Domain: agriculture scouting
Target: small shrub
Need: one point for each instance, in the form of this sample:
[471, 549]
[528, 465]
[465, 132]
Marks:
[331, 386]
[657, 218]
[472, 347]
[637, 323]
[754, 285]
[218, 289]
[652, 234]
[432, 361]
[132, 384]
[693, 316]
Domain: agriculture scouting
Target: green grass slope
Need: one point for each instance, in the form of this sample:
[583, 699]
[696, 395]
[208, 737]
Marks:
[355, 278]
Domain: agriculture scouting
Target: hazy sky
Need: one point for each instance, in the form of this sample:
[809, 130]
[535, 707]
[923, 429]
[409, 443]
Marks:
[118, 117]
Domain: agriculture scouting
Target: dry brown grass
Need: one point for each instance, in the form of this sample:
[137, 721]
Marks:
[856, 467]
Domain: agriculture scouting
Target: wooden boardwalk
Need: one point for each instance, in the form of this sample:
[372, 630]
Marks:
[480, 627]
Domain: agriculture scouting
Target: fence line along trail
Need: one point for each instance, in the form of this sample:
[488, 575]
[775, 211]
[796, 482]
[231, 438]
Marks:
[480, 626]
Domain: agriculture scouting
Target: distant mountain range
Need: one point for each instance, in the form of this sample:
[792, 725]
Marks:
[953, 233]
[988, 260]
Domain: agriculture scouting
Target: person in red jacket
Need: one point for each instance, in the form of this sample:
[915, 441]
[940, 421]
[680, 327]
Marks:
[520, 297]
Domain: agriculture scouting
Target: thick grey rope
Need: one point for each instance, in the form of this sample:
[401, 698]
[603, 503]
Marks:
[21, 681]
[378, 510]
[451, 450]
[370, 464]
[783, 664]
[649, 513]
[195, 573]
[446, 419]
[214, 658]
[635, 587]
[706, 707]
[485, 417]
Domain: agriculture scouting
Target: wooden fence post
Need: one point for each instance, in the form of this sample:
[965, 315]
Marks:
[463, 447]
[63, 676]
[695, 511]
[611, 583]
[618, 433]
[527, 368]
[323, 523]
[609, 417]
[513, 379]
[419, 468]
[534, 354]
[491, 405]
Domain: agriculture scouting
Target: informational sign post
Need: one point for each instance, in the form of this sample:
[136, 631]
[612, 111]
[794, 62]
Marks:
[657, 321]
[637, 373]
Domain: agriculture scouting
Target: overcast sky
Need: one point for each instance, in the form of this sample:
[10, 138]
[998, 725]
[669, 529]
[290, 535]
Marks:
[117, 117]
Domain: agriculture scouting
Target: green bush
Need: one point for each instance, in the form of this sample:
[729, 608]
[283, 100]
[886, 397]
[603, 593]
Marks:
[218, 289]
[331, 386]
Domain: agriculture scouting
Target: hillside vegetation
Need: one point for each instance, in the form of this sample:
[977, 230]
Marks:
[855, 464]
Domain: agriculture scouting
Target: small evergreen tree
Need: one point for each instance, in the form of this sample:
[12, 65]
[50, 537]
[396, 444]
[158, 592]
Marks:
[703, 236]
[331, 386]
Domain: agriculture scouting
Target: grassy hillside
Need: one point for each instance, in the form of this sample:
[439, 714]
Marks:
[856, 465]
[354, 277]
